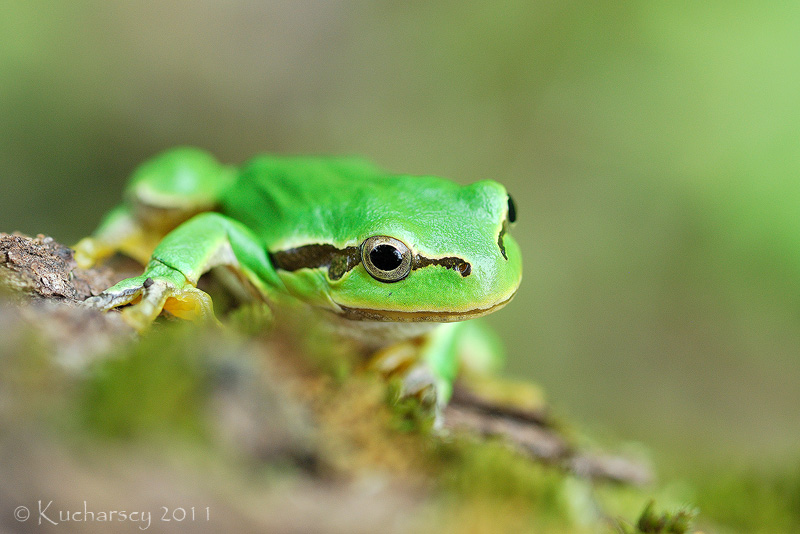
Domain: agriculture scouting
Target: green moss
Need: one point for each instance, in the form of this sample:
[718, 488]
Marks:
[156, 385]
[299, 330]
[752, 501]
[652, 522]
[474, 468]
[32, 386]
[509, 492]
[162, 385]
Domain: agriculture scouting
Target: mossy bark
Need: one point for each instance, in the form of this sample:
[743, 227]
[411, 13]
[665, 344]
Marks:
[258, 431]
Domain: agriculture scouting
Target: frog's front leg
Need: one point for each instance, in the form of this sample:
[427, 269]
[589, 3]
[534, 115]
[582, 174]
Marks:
[169, 281]
[429, 365]
[120, 231]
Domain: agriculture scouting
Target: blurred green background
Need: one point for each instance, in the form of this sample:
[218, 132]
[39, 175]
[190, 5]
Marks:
[652, 150]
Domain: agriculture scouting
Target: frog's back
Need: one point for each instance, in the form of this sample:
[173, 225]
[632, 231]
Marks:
[290, 201]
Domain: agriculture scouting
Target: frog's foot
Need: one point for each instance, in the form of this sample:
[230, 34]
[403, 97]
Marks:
[148, 296]
[120, 231]
[136, 243]
[416, 378]
[90, 251]
[419, 383]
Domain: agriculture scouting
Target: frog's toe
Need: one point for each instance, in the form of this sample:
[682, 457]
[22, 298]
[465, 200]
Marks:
[420, 383]
[90, 251]
[417, 379]
[187, 302]
[113, 298]
[190, 303]
[154, 296]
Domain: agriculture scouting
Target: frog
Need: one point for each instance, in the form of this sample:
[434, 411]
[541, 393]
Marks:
[403, 264]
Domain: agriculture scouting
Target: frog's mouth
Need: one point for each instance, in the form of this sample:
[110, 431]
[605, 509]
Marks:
[367, 314]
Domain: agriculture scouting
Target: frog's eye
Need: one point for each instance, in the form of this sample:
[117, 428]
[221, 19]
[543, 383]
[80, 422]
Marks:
[386, 259]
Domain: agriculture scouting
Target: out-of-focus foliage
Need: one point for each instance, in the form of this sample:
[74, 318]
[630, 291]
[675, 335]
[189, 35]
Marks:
[651, 149]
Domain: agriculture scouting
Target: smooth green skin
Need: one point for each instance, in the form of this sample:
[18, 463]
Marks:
[279, 203]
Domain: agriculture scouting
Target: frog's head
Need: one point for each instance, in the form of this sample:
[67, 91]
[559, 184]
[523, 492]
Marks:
[420, 251]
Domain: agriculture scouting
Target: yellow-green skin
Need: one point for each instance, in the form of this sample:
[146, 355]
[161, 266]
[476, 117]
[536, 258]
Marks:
[464, 262]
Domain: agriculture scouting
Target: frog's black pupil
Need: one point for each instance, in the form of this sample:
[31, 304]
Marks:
[512, 210]
[386, 257]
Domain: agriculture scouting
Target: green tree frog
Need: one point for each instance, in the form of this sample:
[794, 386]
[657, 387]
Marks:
[387, 258]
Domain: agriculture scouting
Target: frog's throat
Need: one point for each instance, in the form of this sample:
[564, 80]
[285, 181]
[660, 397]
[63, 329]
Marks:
[366, 314]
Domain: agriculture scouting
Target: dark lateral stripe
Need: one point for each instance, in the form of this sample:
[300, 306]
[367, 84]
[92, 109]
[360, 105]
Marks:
[337, 260]
[340, 261]
[451, 262]
[500, 243]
